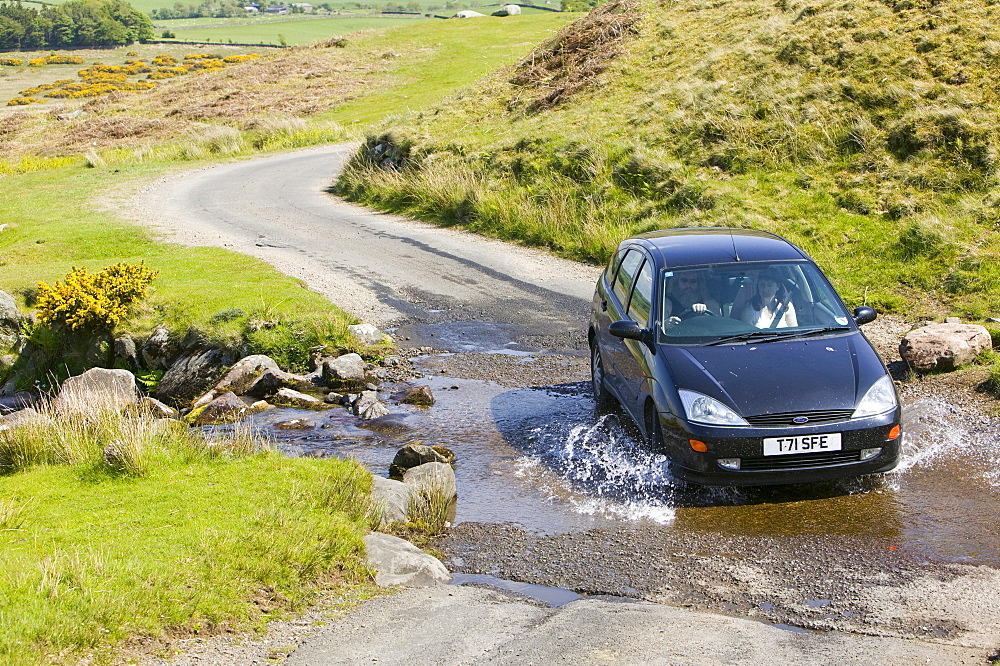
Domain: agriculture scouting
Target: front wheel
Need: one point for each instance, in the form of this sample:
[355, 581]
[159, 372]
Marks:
[602, 397]
[654, 433]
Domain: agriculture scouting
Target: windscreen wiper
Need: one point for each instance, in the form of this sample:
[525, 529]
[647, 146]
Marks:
[819, 331]
[768, 335]
[756, 336]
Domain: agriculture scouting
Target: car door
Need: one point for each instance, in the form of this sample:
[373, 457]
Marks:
[632, 356]
[613, 308]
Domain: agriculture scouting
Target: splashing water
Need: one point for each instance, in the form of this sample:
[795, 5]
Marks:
[929, 431]
[620, 479]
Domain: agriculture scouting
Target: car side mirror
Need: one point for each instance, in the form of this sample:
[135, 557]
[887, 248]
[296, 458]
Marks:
[628, 329]
[863, 315]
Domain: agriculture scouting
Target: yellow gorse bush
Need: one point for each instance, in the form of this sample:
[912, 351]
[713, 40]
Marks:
[100, 79]
[93, 301]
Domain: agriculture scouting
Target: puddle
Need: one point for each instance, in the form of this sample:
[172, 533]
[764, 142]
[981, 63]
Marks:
[553, 596]
[818, 603]
[792, 628]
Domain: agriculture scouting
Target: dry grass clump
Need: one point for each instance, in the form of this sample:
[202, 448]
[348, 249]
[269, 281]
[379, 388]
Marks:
[573, 59]
[12, 514]
[102, 437]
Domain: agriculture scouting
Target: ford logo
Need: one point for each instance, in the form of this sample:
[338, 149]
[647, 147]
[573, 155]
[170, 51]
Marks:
[799, 420]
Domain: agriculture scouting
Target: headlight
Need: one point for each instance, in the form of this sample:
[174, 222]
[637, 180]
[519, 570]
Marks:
[702, 409]
[879, 399]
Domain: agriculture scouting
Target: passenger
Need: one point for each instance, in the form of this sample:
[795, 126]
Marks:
[687, 296]
[771, 297]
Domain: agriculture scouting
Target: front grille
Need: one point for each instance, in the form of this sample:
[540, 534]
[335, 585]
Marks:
[799, 461]
[787, 418]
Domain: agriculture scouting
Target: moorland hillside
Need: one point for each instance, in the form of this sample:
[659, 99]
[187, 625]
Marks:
[864, 130]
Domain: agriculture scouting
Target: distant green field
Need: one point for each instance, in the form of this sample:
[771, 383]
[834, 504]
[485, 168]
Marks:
[293, 33]
[426, 6]
[464, 51]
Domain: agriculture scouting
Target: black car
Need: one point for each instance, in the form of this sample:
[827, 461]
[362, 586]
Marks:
[734, 355]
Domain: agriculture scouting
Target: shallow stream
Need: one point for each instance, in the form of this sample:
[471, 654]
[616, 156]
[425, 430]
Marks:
[543, 459]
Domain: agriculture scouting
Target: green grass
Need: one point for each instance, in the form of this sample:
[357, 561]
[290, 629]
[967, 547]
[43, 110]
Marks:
[54, 229]
[867, 135]
[441, 57]
[108, 535]
[94, 552]
[295, 33]
[56, 219]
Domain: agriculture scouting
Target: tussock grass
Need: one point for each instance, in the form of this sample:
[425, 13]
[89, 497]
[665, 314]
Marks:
[430, 509]
[12, 515]
[863, 132]
[139, 527]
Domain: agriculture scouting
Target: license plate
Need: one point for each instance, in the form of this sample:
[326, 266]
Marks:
[783, 446]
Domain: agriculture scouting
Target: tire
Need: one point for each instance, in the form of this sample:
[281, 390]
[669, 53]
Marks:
[654, 434]
[602, 398]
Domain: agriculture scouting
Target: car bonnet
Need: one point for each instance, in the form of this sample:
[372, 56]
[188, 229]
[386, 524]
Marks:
[778, 377]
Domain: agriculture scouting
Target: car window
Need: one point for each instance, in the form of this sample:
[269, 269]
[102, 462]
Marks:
[642, 296]
[613, 265]
[790, 297]
[626, 275]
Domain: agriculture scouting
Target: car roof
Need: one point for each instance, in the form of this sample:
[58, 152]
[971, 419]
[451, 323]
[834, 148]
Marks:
[693, 246]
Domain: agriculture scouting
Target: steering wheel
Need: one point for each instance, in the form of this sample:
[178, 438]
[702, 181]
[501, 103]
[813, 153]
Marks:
[696, 314]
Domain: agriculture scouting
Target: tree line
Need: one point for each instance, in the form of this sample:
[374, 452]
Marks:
[73, 24]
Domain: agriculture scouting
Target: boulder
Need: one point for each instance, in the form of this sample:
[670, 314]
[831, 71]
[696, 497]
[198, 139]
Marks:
[432, 477]
[10, 321]
[346, 370]
[467, 13]
[944, 346]
[21, 417]
[191, 375]
[398, 562]
[387, 425]
[257, 375]
[156, 408]
[416, 395]
[17, 401]
[369, 407]
[393, 498]
[368, 335]
[95, 390]
[9, 314]
[126, 354]
[507, 10]
[414, 455]
[7, 362]
[227, 408]
[295, 424]
[100, 351]
[160, 350]
[293, 398]
[392, 361]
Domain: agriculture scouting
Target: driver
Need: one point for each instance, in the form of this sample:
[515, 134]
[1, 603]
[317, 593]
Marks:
[687, 296]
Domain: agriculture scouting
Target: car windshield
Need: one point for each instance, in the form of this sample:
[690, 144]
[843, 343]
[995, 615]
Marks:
[734, 302]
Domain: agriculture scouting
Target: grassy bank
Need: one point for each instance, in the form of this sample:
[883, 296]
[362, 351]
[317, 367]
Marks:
[216, 292]
[58, 175]
[865, 133]
[113, 531]
[117, 528]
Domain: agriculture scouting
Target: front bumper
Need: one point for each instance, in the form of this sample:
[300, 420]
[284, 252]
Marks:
[756, 469]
